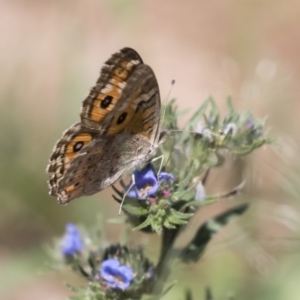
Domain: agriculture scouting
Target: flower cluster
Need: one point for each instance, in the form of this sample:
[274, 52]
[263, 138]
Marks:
[115, 270]
[164, 202]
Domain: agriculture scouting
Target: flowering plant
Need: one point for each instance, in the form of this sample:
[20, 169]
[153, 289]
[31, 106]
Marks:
[164, 202]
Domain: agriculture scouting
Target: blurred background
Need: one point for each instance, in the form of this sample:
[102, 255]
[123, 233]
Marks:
[50, 56]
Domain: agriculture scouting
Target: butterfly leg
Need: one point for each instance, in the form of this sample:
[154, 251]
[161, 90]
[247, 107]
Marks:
[124, 196]
[161, 157]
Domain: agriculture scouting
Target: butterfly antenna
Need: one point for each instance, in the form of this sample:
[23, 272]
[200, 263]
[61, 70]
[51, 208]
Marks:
[168, 100]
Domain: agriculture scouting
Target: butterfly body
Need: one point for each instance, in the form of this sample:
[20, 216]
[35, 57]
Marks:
[119, 130]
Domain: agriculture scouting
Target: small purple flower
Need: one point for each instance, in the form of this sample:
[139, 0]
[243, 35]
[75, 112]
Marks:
[152, 200]
[72, 242]
[117, 276]
[166, 193]
[249, 124]
[146, 182]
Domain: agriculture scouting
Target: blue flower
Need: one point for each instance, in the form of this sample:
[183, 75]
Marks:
[72, 242]
[117, 276]
[164, 176]
[146, 182]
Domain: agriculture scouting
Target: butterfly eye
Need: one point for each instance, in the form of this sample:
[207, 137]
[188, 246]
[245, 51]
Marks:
[122, 118]
[77, 146]
[106, 101]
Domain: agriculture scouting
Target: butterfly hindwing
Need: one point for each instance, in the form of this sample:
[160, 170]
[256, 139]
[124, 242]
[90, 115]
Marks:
[99, 164]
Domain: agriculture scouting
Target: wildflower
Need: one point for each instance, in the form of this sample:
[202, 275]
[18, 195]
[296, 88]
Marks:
[199, 127]
[147, 183]
[200, 192]
[164, 176]
[166, 193]
[71, 242]
[152, 200]
[230, 128]
[205, 132]
[249, 124]
[116, 276]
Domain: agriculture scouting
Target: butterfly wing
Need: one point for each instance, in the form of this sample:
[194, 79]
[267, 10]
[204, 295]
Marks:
[120, 127]
[99, 164]
[65, 151]
[125, 98]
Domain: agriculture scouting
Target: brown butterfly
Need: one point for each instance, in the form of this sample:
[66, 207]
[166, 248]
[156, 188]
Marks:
[119, 130]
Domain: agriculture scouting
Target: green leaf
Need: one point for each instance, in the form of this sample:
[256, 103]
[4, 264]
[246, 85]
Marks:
[204, 234]
[169, 225]
[180, 215]
[135, 209]
[146, 223]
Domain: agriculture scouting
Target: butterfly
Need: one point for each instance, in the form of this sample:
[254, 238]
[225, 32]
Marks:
[119, 130]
